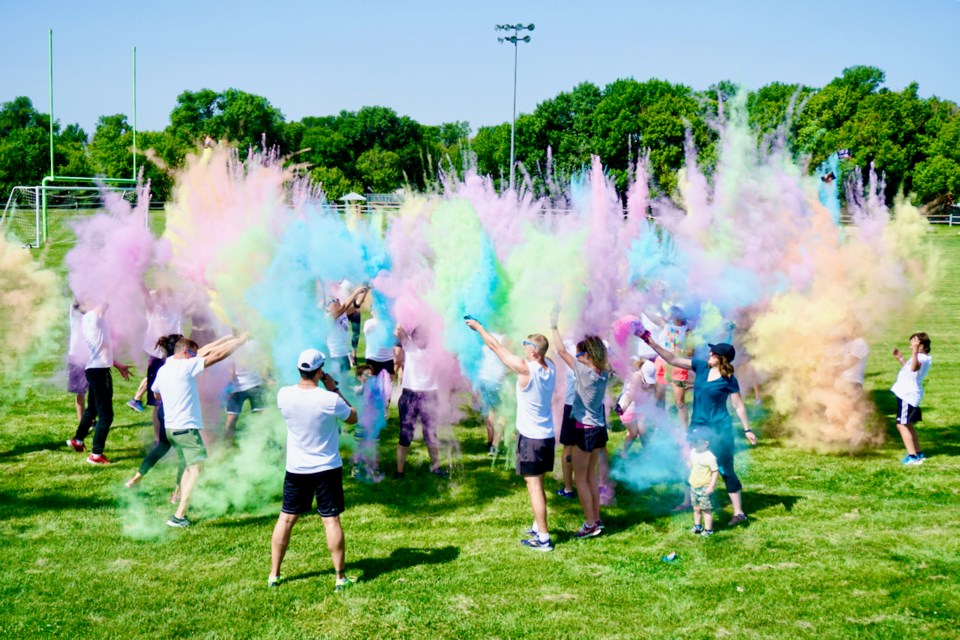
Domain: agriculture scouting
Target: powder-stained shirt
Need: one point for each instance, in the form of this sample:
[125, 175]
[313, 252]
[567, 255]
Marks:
[702, 466]
[710, 397]
[590, 387]
[909, 384]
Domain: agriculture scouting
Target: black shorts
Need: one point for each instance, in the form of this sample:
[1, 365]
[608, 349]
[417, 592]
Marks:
[299, 489]
[534, 456]
[907, 413]
[378, 366]
[417, 406]
[568, 428]
[591, 438]
[152, 367]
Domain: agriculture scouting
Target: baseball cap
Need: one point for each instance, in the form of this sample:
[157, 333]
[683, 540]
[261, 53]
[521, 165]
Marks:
[310, 360]
[724, 349]
[697, 434]
[648, 371]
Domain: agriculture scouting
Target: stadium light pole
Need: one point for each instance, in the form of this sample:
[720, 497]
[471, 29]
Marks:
[515, 40]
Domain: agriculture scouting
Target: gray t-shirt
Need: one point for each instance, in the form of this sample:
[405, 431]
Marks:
[589, 387]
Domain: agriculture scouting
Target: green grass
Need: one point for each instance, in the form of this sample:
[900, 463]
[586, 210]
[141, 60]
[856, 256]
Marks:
[837, 546]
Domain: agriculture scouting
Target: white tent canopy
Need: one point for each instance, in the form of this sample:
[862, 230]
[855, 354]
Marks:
[353, 197]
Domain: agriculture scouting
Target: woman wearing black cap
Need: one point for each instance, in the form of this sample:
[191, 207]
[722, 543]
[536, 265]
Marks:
[714, 383]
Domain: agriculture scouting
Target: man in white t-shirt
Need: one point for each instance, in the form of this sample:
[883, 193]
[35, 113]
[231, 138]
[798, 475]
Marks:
[314, 467]
[246, 385]
[419, 400]
[339, 347]
[77, 356]
[909, 391]
[536, 378]
[855, 354]
[175, 387]
[96, 333]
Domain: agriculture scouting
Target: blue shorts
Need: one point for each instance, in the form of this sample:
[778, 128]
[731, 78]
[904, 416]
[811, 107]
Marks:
[236, 400]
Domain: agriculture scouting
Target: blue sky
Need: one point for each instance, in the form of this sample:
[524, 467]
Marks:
[440, 61]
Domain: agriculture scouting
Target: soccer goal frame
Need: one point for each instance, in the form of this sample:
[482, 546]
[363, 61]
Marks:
[45, 184]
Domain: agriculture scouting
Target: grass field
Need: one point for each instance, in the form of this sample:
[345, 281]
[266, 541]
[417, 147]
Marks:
[837, 546]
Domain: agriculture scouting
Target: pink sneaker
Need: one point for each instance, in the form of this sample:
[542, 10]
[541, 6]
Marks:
[97, 459]
[77, 445]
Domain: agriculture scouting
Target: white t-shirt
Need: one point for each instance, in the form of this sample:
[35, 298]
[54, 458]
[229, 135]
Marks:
[313, 437]
[160, 322]
[378, 343]
[534, 415]
[245, 367]
[176, 383]
[492, 369]
[338, 340]
[417, 369]
[571, 390]
[77, 352]
[96, 332]
[858, 349]
[909, 384]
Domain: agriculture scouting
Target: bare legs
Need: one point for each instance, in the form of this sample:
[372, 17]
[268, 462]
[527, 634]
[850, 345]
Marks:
[80, 403]
[189, 480]
[538, 502]
[588, 489]
[567, 464]
[336, 543]
[909, 435]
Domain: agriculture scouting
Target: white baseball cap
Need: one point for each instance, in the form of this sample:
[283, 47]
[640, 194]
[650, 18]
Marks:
[648, 371]
[310, 360]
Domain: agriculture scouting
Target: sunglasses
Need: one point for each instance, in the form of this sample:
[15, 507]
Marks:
[581, 353]
[191, 353]
[527, 343]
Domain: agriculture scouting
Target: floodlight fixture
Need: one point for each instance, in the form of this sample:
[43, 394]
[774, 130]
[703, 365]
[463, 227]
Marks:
[514, 39]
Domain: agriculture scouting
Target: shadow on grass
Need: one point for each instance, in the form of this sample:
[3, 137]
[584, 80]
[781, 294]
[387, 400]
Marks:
[759, 502]
[32, 448]
[16, 503]
[399, 559]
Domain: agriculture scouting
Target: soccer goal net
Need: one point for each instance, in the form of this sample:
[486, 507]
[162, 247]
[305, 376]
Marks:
[23, 216]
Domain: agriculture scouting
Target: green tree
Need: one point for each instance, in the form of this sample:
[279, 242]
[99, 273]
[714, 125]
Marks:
[333, 181]
[380, 171]
[233, 115]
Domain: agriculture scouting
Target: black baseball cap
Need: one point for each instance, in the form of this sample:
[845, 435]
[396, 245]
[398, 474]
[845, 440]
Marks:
[723, 349]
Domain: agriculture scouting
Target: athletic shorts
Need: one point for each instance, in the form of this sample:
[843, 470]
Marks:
[679, 376]
[152, 367]
[591, 438]
[188, 444]
[700, 499]
[76, 378]
[907, 413]
[299, 490]
[534, 456]
[489, 396]
[378, 366]
[568, 428]
[236, 399]
[418, 406]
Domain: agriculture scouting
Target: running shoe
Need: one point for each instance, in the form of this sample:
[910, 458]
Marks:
[563, 493]
[274, 581]
[599, 524]
[97, 459]
[921, 456]
[440, 473]
[697, 530]
[136, 405]
[492, 451]
[909, 459]
[706, 533]
[181, 523]
[737, 519]
[588, 531]
[398, 475]
[916, 460]
[343, 584]
[77, 445]
[537, 544]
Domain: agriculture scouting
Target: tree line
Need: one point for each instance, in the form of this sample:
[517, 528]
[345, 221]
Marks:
[915, 141]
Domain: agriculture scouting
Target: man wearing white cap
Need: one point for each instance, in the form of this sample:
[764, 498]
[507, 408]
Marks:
[314, 467]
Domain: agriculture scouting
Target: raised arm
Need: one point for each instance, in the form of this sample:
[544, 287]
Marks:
[513, 362]
[220, 349]
[358, 297]
[669, 356]
[565, 355]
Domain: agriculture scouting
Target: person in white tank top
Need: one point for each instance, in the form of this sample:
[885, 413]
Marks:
[536, 379]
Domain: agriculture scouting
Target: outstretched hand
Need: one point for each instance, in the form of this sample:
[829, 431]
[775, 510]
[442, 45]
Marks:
[751, 437]
[473, 324]
[896, 353]
[555, 315]
[124, 370]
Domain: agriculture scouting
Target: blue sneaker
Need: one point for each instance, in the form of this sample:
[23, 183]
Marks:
[909, 460]
[921, 456]
[537, 545]
[563, 493]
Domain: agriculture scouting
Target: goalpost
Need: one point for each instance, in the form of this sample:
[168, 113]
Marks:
[24, 215]
[87, 191]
